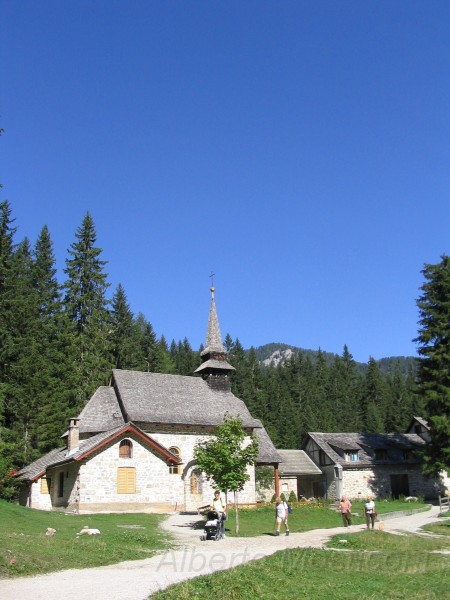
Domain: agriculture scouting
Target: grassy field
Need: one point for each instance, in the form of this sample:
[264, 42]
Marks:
[261, 520]
[26, 550]
[371, 565]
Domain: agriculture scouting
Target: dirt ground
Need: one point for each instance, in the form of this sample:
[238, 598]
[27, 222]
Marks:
[136, 580]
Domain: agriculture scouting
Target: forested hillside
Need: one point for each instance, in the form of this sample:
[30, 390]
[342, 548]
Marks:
[275, 354]
[61, 334]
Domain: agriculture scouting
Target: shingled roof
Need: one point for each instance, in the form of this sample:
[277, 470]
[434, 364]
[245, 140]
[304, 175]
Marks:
[102, 412]
[297, 462]
[267, 454]
[175, 399]
[214, 356]
[366, 444]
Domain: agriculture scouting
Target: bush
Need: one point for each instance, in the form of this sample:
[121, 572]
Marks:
[292, 497]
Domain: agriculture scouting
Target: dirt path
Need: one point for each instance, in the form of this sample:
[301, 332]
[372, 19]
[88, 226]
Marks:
[136, 580]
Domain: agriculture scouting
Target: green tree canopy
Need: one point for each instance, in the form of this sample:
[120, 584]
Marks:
[225, 458]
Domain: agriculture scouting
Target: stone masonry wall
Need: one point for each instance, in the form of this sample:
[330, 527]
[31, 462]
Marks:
[376, 482]
[95, 488]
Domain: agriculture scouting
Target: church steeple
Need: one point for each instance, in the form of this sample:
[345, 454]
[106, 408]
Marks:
[214, 367]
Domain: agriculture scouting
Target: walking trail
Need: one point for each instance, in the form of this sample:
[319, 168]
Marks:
[136, 580]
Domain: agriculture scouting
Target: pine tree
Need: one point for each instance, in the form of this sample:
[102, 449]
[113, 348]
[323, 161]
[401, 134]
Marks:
[345, 392]
[51, 387]
[86, 305]
[7, 285]
[434, 361]
[148, 345]
[163, 361]
[374, 399]
[125, 333]
[21, 411]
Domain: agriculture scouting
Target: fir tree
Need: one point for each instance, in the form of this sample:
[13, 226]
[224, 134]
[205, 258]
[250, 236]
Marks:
[434, 361]
[86, 305]
[374, 399]
[51, 387]
[125, 333]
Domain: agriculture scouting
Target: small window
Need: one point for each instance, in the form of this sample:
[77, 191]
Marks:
[125, 449]
[45, 485]
[126, 480]
[352, 456]
[408, 454]
[61, 485]
[173, 468]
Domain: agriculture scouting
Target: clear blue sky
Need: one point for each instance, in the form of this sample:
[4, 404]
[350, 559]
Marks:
[298, 149]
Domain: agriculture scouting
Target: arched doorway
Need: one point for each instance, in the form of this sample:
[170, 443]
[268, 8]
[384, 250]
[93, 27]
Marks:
[193, 487]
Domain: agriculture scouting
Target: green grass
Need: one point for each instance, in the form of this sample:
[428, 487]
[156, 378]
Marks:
[26, 550]
[378, 566]
[261, 520]
[439, 528]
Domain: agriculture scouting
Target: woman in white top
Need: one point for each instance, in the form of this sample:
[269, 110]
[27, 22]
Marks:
[281, 516]
[370, 512]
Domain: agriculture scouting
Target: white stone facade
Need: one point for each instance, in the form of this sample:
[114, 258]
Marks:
[92, 484]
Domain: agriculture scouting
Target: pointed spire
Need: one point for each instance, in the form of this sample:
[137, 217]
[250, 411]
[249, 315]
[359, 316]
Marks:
[213, 337]
[214, 367]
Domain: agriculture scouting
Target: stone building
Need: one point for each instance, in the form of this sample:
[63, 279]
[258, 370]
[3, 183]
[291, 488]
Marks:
[132, 446]
[370, 464]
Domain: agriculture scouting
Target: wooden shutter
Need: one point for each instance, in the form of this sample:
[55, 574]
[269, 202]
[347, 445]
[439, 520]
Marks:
[44, 486]
[126, 480]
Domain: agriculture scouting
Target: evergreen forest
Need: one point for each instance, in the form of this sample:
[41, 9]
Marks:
[61, 334]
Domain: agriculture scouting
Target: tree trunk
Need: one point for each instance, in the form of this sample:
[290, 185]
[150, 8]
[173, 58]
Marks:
[236, 512]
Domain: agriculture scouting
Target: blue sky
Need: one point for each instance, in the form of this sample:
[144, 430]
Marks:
[298, 149]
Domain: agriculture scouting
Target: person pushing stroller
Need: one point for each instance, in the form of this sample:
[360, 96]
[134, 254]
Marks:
[221, 509]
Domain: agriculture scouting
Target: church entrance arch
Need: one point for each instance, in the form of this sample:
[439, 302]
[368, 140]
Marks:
[194, 485]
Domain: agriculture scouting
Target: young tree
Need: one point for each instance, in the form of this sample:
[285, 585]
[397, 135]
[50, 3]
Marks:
[434, 361]
[225, 459]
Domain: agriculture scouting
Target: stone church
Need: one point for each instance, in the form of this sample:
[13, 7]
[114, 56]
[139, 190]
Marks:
[131, 449]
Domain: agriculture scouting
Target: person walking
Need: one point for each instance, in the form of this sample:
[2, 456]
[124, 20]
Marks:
[345, 507]
[281, 515]
[370, 512]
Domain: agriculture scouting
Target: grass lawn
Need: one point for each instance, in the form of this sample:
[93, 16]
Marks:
[26, 550]
[374, 566]
[261, 520]
[439, 528]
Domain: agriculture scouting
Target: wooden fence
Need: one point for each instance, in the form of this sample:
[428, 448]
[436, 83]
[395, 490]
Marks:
[444, 503]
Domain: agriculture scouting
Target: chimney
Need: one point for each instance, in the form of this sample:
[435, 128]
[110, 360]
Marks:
[73, 439]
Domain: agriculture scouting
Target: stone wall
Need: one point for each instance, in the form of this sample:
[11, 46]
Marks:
[31, 496]
[92, 486]
[376, 482]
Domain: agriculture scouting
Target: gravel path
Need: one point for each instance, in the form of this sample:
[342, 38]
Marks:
[136, 580]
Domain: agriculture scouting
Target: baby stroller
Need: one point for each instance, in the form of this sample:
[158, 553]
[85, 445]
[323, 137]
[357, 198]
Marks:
[214, 527]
